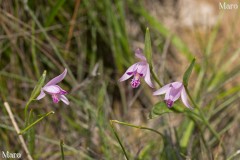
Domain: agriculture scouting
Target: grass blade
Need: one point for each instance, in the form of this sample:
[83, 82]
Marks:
[38, 87]
[148, 47]
[34, 123]
[54, 12]
[188, 73]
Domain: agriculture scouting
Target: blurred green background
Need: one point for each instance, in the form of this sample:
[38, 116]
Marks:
[95, 40]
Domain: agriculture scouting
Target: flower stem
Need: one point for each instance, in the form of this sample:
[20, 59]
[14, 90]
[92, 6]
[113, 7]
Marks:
[139, 127]
[119, 141]
[61, 146]
[155, 77]
[25, 112]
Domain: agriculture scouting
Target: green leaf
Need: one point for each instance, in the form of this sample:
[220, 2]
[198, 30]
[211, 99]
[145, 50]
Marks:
[161, 108]
[38, 87]
[35, 122]
[61, 146]
[148, 48]
[188, 73]
[34, 94]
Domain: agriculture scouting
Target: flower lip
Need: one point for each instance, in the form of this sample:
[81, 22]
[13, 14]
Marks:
[55, 98]
[135, 83]
[169, 103]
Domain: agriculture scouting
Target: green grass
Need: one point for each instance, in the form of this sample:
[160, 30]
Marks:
[33, 38]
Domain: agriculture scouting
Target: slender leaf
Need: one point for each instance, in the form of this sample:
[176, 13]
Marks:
[188, 73]
[34, 94]
[33, 51]
[148, 47]
[54, 12]
[35, 122]
[38, 87]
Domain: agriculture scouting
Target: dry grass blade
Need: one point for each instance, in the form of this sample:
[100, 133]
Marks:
[72, 25]
[17, 130]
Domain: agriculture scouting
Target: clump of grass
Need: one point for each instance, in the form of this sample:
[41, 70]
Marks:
[91, 39]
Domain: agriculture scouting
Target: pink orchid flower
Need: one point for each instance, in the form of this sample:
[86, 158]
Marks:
[172, 92]
[54, 90]
[138, 70]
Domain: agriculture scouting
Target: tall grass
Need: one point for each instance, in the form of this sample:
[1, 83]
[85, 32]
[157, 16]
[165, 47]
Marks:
[94, 43]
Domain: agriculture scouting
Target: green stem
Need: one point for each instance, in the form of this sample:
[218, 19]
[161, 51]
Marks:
[25, 112]
[31, 135]
[31, 125]
[119, 141]
[155, 77]
[139, 127]
[61, 146]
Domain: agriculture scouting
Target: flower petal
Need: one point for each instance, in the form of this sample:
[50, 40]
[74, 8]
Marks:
[177, 85]
[63, 92]
[142, 68]
[57, 79]
[129, 72]
[53, 89]
[64, 99]
[138, 54]
[167, 95]
[162, 90]
[147, 77]
[184, 98]
[175, 93]
[41, 95]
